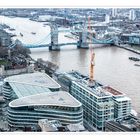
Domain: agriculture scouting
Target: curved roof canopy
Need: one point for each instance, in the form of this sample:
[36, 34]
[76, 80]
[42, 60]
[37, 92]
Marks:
[59, 98]
[31, 83]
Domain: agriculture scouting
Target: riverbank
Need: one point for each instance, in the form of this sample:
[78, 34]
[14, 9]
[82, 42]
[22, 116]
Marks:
[129, 47]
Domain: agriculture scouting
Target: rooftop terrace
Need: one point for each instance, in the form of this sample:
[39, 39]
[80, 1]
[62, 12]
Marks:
[95, 87]
[112, 91]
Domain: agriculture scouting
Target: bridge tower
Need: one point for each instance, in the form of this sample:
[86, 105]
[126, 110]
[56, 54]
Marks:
[82, 43]
[54, 38]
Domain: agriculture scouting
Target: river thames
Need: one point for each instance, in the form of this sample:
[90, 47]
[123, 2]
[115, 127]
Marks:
[112, 66]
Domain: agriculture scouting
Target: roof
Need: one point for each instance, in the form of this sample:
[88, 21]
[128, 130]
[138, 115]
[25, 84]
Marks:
[49, 125]
[22, 90]
[59, 98]
[37, 78]
[95, 90]
[118, 126]
[75, 127]
[112, 91]
[83, 81]
[124, 98]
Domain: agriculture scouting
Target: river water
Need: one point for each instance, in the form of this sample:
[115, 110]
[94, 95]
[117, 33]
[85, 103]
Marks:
[112, 66]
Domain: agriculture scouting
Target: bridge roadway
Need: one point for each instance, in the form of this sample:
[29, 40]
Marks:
[60, 44]
[47, 45]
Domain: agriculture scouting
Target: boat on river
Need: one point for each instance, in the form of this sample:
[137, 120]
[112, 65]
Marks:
[33, 33]
[21, 34]
[137, 65]
[134, 58]
[11, 29]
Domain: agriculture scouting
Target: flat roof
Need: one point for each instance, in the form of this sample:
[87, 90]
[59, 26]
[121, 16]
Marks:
[59, 98]
[83, 81]
[118, 126]
[112, 91]
[34, 79]
[124, 98]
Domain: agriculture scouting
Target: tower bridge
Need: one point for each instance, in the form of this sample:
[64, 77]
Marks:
[82, 41]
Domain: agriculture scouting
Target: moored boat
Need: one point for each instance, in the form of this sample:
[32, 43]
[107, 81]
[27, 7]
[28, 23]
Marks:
[137, 65]
[134, 58]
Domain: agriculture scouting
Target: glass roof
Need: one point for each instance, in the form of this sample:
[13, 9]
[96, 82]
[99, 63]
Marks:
[23, 90]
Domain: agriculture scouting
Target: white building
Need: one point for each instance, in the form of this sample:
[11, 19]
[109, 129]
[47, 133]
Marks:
[60, 105]
[107, 18]
[132, 15]
[18, 86]
[122, 103]
[114, 12]
[100, 103]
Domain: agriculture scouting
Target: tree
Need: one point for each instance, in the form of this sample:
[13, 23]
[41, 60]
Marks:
[19, 49]
[3, 52]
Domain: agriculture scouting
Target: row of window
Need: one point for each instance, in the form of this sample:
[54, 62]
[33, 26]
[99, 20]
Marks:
[22, 117]
[92, 102]
[28, 120]
[47, 107]
[75, 88]
[90, 107]
[26, 112]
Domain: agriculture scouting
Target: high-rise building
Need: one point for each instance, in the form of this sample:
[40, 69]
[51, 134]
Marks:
[107, 18]
[132, 15]
[114, 12]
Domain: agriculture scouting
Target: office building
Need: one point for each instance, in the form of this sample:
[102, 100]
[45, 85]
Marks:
[122, 103]
[59, 105]
[28, 84]
[100, 103]
[132, 15]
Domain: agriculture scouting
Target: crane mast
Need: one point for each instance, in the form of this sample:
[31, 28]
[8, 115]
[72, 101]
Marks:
[92, 54]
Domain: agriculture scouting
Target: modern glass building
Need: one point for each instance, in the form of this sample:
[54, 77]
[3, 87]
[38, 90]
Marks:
[99, 104]
[122, 104]
[59, 105]
[28, 84]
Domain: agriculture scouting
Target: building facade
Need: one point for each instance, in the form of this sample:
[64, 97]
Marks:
[98, 107]
[100, 103]
[60, 105]
[122, 104]
[132, 15]
[114, 12]
[18, 86]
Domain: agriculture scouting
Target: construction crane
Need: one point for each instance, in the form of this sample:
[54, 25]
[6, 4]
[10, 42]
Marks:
[92, 54]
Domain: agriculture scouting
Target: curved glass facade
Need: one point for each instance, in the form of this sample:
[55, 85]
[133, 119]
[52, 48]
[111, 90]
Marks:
[7, 91]
[27, 116]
